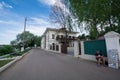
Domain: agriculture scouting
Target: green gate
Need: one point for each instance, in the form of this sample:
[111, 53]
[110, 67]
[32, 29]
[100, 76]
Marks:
[90, 47]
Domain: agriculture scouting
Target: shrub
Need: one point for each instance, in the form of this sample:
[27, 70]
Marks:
[6, 50]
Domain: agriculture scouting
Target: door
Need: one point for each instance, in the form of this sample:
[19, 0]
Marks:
[64, 48]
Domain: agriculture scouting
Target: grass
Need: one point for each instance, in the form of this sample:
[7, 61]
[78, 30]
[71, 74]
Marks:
[18, 53]
[3, 62]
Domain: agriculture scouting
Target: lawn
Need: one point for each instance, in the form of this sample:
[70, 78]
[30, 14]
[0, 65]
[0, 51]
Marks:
[3, 62]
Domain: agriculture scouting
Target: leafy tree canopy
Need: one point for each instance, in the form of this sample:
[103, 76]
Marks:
[99, 15]
[27, 39]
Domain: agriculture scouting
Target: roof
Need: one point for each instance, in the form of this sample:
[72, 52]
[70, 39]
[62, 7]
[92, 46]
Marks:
[58, 30]
[101, 38]
[112, 34]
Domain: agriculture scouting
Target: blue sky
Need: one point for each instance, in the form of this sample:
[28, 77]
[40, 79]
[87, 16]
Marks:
[13, 12]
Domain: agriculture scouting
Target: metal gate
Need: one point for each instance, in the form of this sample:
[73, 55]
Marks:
[90, 47]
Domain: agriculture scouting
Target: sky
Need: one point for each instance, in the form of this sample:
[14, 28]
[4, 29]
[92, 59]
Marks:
[13, 13]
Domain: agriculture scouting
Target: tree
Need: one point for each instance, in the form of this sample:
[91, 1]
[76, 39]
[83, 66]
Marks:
[37, 40]
[26, 38]
[60, 15]
[6, 49]
[82, 37]
[14, 42]
[98, 14]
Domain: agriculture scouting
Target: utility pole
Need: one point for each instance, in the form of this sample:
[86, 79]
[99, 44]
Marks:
[65, 27]
[25, 24]
[24, 34]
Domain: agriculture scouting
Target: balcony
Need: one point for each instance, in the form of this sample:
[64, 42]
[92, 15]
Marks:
[62, 38]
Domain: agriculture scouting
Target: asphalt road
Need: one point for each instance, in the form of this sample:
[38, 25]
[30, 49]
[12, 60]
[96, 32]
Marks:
[44, 65]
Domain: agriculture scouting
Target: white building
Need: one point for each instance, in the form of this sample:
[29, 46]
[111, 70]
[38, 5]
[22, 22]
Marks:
[54, 39]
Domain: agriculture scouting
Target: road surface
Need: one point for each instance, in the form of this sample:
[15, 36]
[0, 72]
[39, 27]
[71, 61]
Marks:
[45, 65]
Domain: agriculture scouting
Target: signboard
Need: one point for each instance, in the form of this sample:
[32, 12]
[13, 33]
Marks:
[113, 59]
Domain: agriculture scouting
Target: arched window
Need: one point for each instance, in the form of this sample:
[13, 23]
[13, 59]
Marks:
[53, 45]
[57, 47]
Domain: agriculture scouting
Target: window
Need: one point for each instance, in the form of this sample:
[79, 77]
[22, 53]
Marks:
[58, 36]
[57, 48]
[61, 36]
[50, 47]
[73, 37]
[53, 44]
[69, 37]
[53, 36]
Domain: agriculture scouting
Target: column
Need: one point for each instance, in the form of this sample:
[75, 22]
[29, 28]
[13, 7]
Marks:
[76, 49]
[60, 48]
[113, 49]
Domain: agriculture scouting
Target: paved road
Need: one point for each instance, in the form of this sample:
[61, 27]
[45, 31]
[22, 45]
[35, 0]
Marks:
[43, 65]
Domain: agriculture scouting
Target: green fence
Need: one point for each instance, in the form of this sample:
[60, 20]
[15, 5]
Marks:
[90, 47]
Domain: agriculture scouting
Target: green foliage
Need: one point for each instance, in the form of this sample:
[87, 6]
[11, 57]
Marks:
[37, 40]
[82, 37]
[97, 14]
[27, 39]
[6, 50]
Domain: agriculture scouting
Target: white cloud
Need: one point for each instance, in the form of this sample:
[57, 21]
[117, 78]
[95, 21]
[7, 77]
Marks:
[54, 2]
[4, 5]
[40, 21]
[51, 2]
[9, 35]
[9, 29]
[37, 26]
[59, 3]
[48, 2]
[37, 30]
[10, 22]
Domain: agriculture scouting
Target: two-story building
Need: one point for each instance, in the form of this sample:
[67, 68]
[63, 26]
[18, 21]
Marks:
[54, 39]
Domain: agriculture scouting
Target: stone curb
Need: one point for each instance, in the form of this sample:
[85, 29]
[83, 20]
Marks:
[12, 62]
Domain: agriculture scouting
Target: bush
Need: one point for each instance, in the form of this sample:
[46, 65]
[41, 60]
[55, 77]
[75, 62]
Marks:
[6, 50]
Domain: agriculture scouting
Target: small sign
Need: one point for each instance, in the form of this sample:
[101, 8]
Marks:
[113, 59]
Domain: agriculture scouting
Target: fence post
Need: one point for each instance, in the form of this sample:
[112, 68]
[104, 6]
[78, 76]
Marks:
[82, 48]
[60, 48]
[22, 49]
[113, 49]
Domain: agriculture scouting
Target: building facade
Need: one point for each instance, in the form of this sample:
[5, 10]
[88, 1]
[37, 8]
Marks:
[54, 39]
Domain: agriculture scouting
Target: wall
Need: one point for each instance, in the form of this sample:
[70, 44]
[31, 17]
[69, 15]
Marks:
[48, 41]
[70, 50]
[50, 37]
[43, 43]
